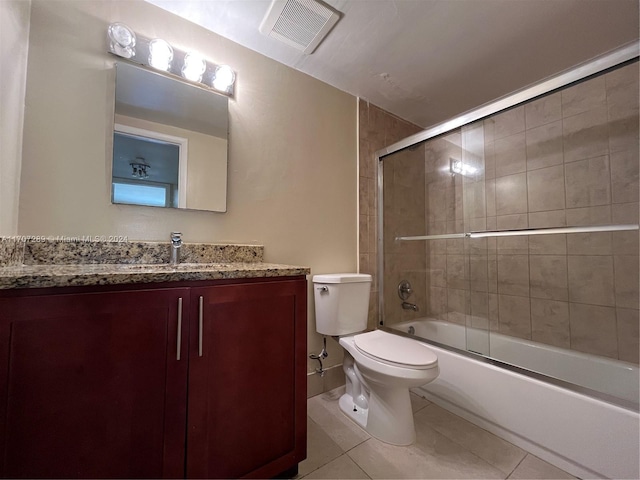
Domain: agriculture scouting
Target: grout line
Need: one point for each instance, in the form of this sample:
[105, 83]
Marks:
[516, 467]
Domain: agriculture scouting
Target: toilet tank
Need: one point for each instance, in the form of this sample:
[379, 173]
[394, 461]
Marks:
[342, 302]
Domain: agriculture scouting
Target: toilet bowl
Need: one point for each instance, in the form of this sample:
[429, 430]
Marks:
[379, 367]
[377, 389]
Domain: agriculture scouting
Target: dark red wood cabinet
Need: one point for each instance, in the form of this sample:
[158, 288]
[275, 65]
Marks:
[200, 380]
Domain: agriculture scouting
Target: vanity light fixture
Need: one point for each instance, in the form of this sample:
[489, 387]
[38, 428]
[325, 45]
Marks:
[123, 40]
[194, 66]
[158, 54]
[139, 168]
[223, 78]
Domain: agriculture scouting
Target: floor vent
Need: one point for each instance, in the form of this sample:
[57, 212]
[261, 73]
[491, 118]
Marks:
[301, 24]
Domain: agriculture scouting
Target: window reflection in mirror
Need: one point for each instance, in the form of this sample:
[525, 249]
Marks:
[170, 142]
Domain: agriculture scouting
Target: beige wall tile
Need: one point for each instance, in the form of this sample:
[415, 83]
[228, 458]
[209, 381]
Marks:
[624, 176]
[623, 134]
[494, 322]
[510, 155]
[593, 329]
[513, 275]
[591, 279]
[314, 385]
[548, 244]
[585, 135]
[437, 269]
[512, 245]
[544, 110]
[437, 307]
[507, 123]
[628, 322]
[587, 182]
[492, 273]
[545, 189]
[622, 92]
[544, 146]
[512, 222]
[474, 199]
[363, 196]
[599, 243]
[514, 316]
[363, 234]
[548, 277]
[478, 273]
[627, 286]
[479, 310]
[457, 272]
[626, 243]
[588, 216]
[554, 218]
[584, 96]
[511, 194]
[626, 213]
[550, 322]
[457, 306]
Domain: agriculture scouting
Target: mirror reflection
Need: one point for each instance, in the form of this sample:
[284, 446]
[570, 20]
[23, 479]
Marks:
[170, 142]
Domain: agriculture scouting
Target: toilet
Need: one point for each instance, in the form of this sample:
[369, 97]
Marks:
[380, 367]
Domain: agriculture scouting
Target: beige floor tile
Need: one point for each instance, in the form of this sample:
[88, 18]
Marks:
[325, 411]
[432, 456]
[341, 467]
[534, 468]
[320, 449]
[417, 402]
[492, 449]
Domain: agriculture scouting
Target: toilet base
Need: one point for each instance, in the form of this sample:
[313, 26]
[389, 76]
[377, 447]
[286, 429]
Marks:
[351, 410]
[391, 421]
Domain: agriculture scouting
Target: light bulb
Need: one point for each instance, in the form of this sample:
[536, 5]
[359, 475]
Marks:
[123, 40]
[194, 66]
[223, 78]
[160, 54]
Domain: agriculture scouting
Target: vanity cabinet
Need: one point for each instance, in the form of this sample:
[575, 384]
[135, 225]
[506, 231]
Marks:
[201, 379]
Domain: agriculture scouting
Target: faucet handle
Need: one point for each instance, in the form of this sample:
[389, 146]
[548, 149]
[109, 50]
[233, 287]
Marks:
[176, 238]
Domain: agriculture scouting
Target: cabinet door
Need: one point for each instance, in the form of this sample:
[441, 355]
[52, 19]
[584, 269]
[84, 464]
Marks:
[247, 380]
[91, 387]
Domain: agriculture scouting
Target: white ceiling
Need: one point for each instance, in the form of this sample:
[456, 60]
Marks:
[429, 60]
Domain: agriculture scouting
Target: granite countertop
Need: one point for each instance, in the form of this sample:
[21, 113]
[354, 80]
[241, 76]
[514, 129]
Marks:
[29, 263]
[39, 276]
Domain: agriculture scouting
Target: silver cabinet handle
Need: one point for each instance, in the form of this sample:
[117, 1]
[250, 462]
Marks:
[200, 308]
[179, 341]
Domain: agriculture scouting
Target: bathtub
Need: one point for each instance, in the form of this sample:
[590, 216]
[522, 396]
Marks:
[586, 436]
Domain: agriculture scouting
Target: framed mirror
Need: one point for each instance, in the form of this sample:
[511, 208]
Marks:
[170, 142]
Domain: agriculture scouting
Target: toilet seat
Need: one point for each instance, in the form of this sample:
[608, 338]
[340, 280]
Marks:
[395, 350]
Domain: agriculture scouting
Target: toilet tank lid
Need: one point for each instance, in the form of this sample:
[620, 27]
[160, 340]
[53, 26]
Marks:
[342, 278]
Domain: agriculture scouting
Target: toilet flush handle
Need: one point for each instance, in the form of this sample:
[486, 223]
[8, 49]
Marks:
[323, 289]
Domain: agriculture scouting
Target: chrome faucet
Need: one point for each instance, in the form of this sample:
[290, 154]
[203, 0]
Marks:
[410, 306]
[176, 243]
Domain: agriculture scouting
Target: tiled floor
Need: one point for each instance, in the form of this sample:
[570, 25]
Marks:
[447, 446]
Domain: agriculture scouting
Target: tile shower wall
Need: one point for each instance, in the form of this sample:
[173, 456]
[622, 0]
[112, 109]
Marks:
[567, 159]
[377, 129]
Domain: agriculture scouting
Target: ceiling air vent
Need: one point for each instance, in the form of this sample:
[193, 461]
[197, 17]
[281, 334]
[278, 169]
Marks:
[301, 24]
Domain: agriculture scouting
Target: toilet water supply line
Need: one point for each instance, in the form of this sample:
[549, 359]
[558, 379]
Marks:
[322, 355]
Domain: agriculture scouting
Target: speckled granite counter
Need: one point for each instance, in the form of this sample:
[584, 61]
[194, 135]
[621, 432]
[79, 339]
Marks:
[27, 263]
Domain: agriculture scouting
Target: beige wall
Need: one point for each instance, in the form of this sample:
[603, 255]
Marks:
[292, 156]
[14, 35]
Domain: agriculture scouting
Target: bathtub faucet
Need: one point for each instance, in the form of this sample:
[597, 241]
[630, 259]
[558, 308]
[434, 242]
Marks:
[410, 306]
